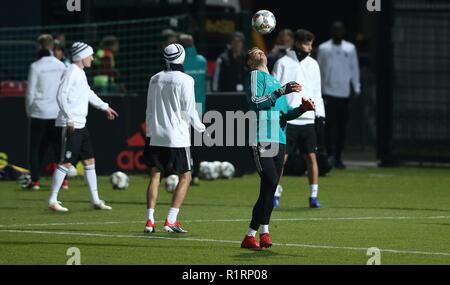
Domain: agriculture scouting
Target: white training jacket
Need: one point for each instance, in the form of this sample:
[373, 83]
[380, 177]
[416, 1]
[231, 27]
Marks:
[43, 78]
[74, 97]
[171, 110]
[340, 68]
[307, 74]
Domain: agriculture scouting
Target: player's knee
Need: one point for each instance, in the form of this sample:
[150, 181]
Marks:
[186, 177]
[271, 182]
[311, 157]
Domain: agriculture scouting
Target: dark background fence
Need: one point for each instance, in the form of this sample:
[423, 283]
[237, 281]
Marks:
[413, 81]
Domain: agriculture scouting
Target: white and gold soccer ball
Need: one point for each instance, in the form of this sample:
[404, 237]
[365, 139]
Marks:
[264, 22]
[119, 180]
[171, 183]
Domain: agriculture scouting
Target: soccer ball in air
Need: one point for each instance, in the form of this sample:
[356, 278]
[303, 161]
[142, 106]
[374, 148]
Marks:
[227, 170]
[264, 22]
[119, 180]
[171, 183]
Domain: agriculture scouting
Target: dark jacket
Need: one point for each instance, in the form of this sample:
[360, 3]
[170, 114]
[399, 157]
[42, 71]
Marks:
[230, 72]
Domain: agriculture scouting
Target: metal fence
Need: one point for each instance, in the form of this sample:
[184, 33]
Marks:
[414, 81]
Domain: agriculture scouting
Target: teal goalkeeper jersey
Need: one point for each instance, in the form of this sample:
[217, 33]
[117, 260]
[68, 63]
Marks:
[272, 112]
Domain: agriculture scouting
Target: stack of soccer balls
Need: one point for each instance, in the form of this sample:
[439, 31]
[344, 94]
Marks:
[119, 180]
[216, 169]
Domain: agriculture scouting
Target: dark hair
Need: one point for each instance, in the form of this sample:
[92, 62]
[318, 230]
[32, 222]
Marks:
[302, 36]
[239, 35]
[186, 40]
[285, 32]
[108, 41]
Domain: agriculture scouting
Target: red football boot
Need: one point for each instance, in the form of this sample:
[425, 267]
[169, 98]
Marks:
[250, 242]
[265, 241]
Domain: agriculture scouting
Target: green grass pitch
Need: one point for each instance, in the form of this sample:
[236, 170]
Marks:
[405, 212]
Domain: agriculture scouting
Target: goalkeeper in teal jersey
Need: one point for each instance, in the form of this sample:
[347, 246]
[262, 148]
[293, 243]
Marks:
[265, 96]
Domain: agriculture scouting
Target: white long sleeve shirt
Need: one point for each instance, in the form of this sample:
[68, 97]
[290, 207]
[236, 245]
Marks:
[340, 68]
[74, 97]
[307, 74]
[171, 110]
[43, 78]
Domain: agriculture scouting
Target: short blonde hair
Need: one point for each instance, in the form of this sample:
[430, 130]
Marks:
[45, 41]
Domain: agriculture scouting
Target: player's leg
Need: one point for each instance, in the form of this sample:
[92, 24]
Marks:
[269, 179]
[182, 164]
[155, 159]
[36, 135]
[90, 174]
[291, 144]
[341, 121]
[309, 148]
[330, 126]
[272, 179]
[54, 141]
[152, 196]
[69, 141]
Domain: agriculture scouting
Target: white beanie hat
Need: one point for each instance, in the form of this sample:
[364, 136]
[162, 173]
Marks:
[81, 50]
[174, 53]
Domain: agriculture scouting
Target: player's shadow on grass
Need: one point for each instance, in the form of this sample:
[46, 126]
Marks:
[74, 243]
[140, 203]
[293, 209]
[249, 254]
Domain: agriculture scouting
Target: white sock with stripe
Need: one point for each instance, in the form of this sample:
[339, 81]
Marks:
[172, 216]
[91, 179]
[58, 178]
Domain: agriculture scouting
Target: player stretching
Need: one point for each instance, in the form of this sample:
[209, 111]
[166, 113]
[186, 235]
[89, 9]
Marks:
[74, 97]
[266, 96]
[170, 113]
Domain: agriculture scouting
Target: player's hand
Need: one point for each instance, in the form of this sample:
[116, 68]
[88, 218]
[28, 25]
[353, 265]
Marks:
[111, 114]
[71, 126]
[289, 88]
[308, 104]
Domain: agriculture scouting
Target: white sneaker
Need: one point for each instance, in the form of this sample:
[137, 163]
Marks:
[101, 206]
[56, 207]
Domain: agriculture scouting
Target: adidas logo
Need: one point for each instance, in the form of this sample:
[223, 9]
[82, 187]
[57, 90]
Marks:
[132, 158]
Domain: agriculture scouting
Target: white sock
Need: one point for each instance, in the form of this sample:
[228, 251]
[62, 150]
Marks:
[58, 178]
[251, 232]
[278, 191]
[150, 213]
[91, 180]
[264, 229]
[172, 216]
[314, 190]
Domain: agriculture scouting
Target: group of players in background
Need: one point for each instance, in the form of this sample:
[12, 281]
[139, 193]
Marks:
[58, 99]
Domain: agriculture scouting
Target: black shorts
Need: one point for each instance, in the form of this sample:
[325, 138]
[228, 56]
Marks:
[76, 145]
[302, 137]
[168, 160]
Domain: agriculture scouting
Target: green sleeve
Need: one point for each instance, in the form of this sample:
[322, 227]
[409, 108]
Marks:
[255, 87]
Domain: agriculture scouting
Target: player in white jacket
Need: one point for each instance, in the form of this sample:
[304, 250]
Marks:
[298, 66]
[74, 97]
[338, 60]
[170, 113]
[41, 107]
